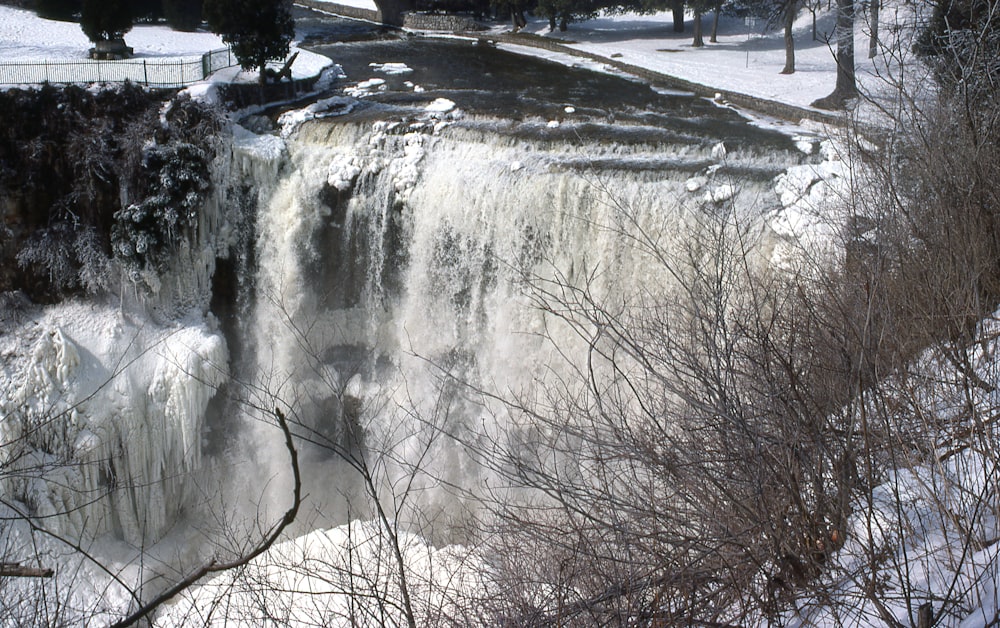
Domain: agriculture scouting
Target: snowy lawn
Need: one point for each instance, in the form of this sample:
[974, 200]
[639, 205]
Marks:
[746, 59]
[25, 37]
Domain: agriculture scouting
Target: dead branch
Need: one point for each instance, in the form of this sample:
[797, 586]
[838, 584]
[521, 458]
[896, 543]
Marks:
[16, 570]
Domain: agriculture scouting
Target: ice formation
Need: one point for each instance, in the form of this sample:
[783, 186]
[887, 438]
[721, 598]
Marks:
[107, 406]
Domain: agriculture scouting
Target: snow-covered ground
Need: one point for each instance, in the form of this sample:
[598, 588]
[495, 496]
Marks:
[747, 58]
[27, 38]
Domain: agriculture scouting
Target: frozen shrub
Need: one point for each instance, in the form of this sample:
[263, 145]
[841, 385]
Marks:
[145, 231]
[70, 258]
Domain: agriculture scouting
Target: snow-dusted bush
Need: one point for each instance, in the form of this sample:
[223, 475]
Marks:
[176, 182]
[71, 258]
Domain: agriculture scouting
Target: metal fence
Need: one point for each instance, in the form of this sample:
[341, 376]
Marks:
[153, 72]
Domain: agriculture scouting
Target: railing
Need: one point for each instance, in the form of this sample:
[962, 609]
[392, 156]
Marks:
[152, 72]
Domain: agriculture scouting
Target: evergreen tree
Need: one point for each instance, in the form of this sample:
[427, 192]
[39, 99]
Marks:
[183, 15]
[257, 30]
[146, 10]
[106, 20]
[63, 10]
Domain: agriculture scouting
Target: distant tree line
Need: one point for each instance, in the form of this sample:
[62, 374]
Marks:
[183, 15]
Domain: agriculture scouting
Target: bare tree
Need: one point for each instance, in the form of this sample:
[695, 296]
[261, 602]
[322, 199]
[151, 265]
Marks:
[846, 88]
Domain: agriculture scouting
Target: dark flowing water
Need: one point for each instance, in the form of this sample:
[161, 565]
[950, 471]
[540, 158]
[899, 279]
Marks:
[487, 81]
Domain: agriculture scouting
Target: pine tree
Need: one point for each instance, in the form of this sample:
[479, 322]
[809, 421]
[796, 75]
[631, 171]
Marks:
[183, 15]
[106, 20]
[257, 30]
[63, 10]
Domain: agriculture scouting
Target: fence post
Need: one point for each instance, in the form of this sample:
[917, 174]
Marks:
[145, 72]
[46, 70]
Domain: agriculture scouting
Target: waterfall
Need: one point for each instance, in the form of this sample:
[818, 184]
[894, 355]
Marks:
[393, 257]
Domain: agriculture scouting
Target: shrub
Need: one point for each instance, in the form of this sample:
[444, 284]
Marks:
[146, 231]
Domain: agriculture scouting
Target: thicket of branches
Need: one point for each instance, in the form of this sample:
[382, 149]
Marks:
[753, 446]
[94, 181]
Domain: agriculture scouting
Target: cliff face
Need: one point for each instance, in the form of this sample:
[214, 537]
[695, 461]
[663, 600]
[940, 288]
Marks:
[83, 175]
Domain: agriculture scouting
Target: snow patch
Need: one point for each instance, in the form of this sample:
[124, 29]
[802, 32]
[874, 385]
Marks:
[392, 69]
[333, 577]
[366, 88]
[440, 105]
[327, 107]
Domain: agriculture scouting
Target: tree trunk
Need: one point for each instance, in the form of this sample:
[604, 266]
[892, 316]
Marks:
[517, 18]
[847, 87]
[677, 8]
[715, 23]
[790, 7]
[699, 41]
[873, 39]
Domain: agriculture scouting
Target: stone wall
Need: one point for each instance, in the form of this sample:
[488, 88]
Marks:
[439, 22]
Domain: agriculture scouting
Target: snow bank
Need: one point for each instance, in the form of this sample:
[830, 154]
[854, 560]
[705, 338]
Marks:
[811, 217]
[345, 576]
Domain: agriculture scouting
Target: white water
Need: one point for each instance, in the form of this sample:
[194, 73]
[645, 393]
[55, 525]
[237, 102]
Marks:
[392, 253]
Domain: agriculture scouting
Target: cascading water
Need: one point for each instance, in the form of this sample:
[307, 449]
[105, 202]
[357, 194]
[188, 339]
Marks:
[392, 260]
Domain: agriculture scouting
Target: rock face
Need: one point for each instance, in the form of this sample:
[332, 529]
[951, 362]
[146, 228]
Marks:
[71, 160]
